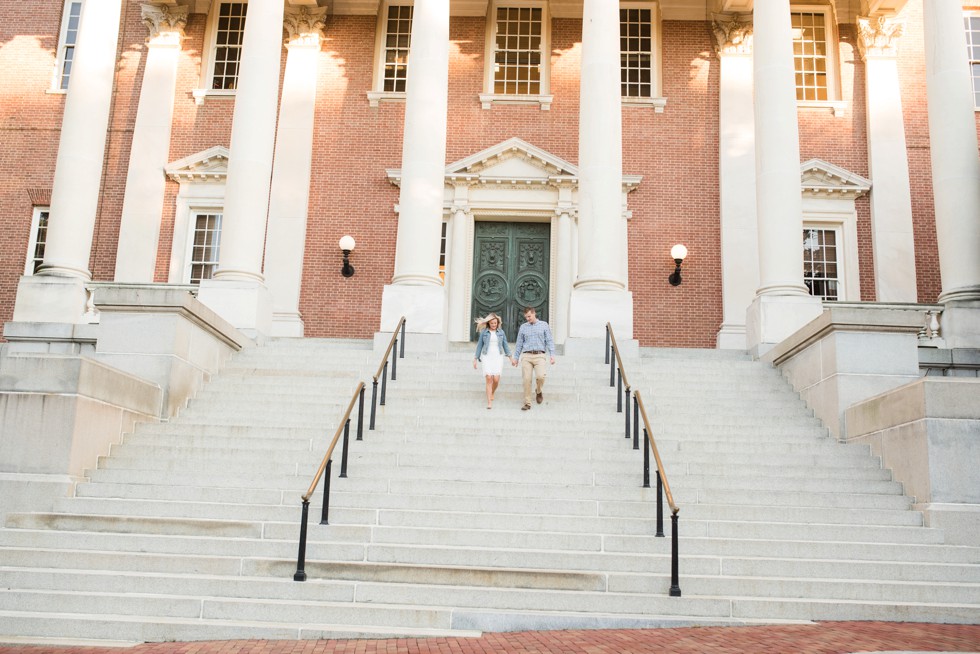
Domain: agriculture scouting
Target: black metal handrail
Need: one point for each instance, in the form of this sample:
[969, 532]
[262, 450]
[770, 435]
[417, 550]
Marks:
[383, 368]
[615, 361]
[323, 471]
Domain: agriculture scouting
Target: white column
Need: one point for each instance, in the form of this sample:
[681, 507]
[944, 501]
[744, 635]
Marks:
[891, 193]
[955, 171]
[416, 290]
[461, 230]
[600, 293]
[290, 191]
[953, 137]
[139, 230]
[736, 173]
[564, 275]
[77, 174]
[782, 303]
[237, 292]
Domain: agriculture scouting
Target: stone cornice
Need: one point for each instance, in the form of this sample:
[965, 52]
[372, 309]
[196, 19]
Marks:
[733, 34]
[165, 23]
[823, 180]
[878, 36]
[209, 166]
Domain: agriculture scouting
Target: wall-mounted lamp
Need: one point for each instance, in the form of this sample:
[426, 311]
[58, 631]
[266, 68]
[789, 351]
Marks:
[347, 245]
[677, 253]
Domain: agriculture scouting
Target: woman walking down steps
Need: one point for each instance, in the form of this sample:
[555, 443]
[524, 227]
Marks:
[491, 348]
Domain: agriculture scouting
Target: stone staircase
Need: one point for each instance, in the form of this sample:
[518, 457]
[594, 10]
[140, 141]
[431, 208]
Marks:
[455, 519]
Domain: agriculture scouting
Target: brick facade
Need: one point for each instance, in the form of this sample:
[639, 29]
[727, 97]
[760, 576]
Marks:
[676, 152]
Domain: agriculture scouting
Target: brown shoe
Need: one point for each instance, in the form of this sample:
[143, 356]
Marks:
[526, 407]
[539, 397]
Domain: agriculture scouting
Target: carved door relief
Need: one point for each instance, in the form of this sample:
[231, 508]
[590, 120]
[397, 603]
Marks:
[510, 272]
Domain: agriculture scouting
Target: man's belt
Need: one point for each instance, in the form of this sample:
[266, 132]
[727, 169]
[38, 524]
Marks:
[533, 351]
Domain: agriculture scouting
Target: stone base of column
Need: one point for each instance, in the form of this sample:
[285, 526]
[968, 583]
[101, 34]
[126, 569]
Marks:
[731, 337]
[289, 325]
[772, 318]
[424, 308]
[247, 305]
[49, 298]
[589, 311]
[961, 324]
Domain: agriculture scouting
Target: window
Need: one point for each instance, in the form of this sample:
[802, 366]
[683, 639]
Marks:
[229, 33]
[972, 24]
[66, 44]
[205, 244]
[398, 39]
[517, 60]
[442, 253]
[37, 240]
[821, 262]
[812, 54]
[636, 45]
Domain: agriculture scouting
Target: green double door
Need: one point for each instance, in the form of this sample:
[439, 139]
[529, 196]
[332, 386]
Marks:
[511, 264]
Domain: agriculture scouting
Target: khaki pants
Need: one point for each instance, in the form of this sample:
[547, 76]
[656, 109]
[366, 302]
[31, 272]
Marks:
[536, 366]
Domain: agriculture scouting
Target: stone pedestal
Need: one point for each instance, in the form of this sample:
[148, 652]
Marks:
[589, 311]
[961, 324]
[772, 318]
[245, 304]
[424, 308]
[51, 298]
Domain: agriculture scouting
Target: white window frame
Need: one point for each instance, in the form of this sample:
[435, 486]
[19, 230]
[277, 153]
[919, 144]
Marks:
[63, 45]
[192, 199]
[848, 274]
[207, 63]
[377, 94]
[837, 230]
[973, 43]
[656, 99]
[32, 238]
[544, 98]
[189, 256]
[833, 100]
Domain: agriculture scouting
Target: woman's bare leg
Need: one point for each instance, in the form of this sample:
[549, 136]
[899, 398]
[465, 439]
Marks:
[496, 383]
[489, 379]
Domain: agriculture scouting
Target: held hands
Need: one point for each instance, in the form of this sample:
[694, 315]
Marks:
[552, 360]
[513, 362]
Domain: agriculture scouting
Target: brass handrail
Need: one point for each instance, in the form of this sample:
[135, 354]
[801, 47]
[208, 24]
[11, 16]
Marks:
[619, 359]
[333, 443]
[656, 452]
[391, 344]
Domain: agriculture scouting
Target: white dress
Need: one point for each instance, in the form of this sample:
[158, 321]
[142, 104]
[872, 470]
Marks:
[493, 359]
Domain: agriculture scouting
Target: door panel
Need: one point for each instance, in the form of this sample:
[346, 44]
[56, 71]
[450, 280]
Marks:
[510, 272]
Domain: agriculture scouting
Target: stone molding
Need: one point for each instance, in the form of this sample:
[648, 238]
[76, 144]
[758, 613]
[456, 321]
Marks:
[822, 179]
[878, 36]
[209, 165]
[733, 34]
[165, 22]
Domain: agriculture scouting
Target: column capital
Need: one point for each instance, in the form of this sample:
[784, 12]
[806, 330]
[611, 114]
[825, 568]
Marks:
[165, 22]
[878, 36]
[733, 34]
[304, 25]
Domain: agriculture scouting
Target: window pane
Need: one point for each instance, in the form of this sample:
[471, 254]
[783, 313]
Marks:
[636, 54]
[810, 49]
[398, 42]
[972, 24]
[228, 44]
[206, 242]
[518, 55]
[821, 263]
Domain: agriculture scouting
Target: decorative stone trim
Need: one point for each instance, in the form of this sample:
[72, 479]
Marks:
[733, 34]
[657, 104]
[878, 36]
[304, 25]
[821, 179]
[211, 166]
[377, 97]
[490, 99]
[165, 22]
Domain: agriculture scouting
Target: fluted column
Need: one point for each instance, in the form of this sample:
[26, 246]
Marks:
[290, 191]
[891, 193]
[564, 273]
[57, 293]
[237, 292]
[600, 294]
[953, 137]
[782, 303]
[736, 173]
[416, 289]
[139, 229]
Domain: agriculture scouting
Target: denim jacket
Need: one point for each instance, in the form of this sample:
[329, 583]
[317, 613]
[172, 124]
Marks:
[484, 342]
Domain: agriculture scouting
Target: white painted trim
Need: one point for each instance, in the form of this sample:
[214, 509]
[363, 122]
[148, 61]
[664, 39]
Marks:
[59, 57]
[377, 94]
[845, 224]
[32, 237]
[207, 61]
[833, 57]
[656, 66]
[202, 190]
[488, 98]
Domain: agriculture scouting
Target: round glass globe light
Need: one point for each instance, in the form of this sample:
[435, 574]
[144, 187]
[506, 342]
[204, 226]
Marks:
[347, 243]
[679, 251]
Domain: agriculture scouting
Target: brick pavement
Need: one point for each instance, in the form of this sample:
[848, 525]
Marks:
[821, 638]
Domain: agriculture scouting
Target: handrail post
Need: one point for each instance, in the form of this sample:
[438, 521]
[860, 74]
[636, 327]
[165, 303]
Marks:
[360, 416]
[660, 506]
[619, 390]
[343, 453]
[402, 352]
[374, 401]
[301, 557]
[675, 587]
[646, 459]
[612, 369]
[627, 412]
[326, 495]
[384, 384]
[607, 344]
[394, 363]
[636, 424]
